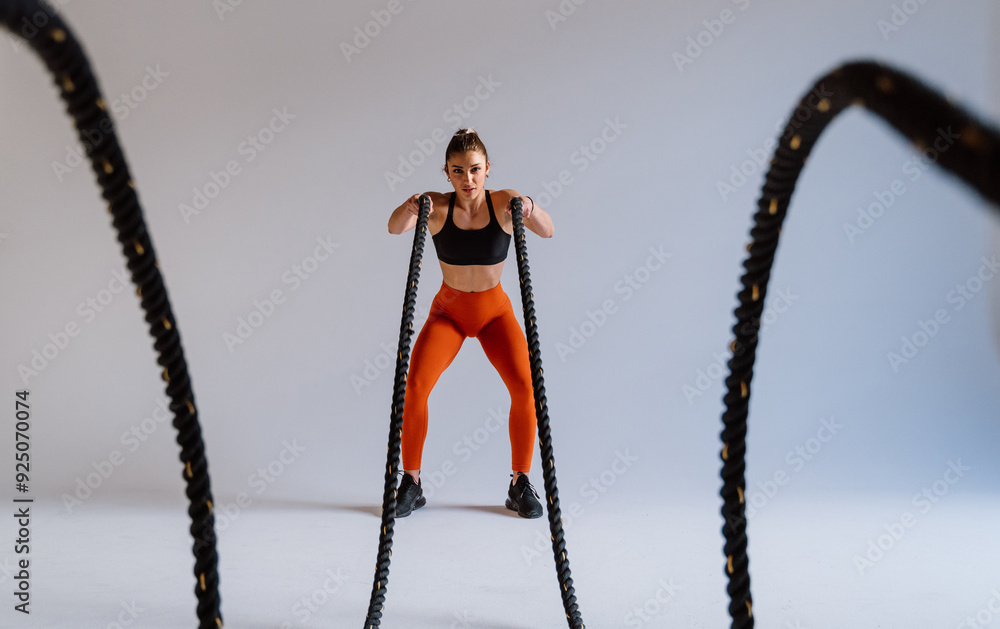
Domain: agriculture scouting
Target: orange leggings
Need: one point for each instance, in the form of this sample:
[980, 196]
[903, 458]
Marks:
[456, 315]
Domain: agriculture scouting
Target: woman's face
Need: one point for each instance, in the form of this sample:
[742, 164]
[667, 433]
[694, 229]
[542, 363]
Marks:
[467, 173]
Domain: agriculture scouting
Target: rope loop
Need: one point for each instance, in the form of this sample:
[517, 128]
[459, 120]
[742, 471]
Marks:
[963, 145]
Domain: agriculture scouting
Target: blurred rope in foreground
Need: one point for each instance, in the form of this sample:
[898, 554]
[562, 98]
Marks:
[945, 133]
[48, 35]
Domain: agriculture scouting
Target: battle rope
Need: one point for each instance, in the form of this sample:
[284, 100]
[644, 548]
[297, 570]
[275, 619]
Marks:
[948, 135]
[377, 601]
[49, 36]
[544, 432]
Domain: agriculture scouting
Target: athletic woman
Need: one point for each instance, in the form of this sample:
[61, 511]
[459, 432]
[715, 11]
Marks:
[471, 239]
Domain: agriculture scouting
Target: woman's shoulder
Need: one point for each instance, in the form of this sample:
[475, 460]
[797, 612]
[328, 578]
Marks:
[440, 202]
[503, 196]
[438, 197]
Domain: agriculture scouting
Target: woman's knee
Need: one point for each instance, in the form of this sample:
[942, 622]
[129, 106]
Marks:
[520, 388]
[418, 389]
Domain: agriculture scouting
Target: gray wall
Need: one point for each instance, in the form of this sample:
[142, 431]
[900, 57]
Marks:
[664, 133]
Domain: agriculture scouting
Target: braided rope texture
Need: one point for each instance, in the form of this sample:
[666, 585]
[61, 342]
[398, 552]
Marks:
[377, 601]
[573, 615]
[970, 150]
[49, 36]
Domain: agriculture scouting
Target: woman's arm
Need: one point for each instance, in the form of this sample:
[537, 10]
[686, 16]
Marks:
[539, 220]
[535, 218]
[404, 218]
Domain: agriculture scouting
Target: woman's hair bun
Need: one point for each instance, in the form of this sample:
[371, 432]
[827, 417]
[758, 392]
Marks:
[463, 141]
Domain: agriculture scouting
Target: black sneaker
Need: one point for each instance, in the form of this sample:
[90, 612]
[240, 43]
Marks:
[409, 496]
[523, 498]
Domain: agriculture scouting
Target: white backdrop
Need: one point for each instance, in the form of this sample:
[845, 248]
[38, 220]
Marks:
[640, 121]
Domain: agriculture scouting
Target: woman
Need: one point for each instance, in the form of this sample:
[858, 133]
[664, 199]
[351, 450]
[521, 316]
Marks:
[471, 240]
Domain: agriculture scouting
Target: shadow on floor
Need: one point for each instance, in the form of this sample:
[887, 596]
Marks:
[375, 510]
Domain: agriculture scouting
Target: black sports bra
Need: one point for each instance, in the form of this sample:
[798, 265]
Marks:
[466, 247]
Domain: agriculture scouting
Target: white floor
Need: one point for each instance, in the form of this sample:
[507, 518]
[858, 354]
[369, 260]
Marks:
[640, 563]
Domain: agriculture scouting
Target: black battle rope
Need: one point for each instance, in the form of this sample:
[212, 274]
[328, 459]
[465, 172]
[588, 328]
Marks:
[50, 37]
[544, 432]
[377, 601]
[945, 133]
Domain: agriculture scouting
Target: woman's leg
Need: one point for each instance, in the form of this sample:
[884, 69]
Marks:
[437, 345]
[505, 346]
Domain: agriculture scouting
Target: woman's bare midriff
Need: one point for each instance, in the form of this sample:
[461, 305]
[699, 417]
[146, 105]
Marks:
[474, 278]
